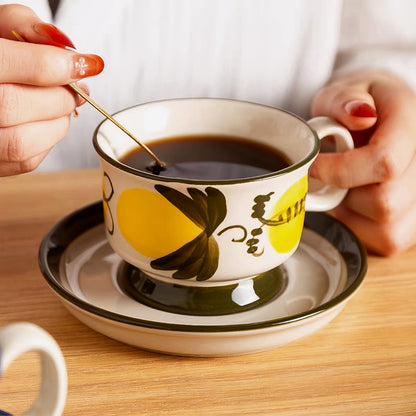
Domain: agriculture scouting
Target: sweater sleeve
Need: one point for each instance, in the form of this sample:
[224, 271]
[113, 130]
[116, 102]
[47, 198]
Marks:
[378, 34]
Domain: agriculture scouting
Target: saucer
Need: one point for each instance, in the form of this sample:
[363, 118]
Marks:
[82, 269]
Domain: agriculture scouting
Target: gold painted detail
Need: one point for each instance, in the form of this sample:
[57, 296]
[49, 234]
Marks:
[285, 220]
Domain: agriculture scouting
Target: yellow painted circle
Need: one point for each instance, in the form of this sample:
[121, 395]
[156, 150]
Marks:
[284, 237]
[151, 224]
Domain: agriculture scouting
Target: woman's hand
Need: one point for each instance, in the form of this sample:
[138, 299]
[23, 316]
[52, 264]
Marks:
[35, 108]
[380, 111]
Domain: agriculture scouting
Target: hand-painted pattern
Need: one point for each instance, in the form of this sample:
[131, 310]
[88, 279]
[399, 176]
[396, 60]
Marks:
[199, 257]
[288, 213]
[108, 216]
[178, 229]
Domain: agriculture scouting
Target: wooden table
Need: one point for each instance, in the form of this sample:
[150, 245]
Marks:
[362, 363]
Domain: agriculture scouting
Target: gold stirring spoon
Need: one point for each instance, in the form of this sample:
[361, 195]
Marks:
[160, 165]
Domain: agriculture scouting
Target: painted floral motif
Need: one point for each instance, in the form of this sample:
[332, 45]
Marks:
[288, 213]
[108, 192]
[199, 257]
[149, 221]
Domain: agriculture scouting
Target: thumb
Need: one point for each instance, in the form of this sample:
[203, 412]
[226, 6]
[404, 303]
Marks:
[351, 105]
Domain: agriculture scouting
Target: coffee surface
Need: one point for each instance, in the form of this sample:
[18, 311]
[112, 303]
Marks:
[208, 157]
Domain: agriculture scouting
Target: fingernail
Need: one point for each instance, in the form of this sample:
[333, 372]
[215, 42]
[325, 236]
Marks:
[87, 65]
[51, 35]
[360, 109]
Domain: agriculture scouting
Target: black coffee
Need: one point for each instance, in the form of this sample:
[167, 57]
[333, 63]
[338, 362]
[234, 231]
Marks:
[208, 157]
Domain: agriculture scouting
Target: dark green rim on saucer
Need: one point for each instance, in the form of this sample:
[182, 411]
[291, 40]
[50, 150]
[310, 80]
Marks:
[55, 243]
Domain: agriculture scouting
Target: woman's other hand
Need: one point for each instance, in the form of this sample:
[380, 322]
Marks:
[380, 111]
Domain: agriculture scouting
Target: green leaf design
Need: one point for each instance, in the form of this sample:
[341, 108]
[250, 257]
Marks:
[179, 258]
[208, 267]
[199, 257]
[185, 204]
[200, 200]
[216, 206]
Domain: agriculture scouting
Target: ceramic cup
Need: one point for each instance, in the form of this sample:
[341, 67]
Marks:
[18, 338]
[203, 246]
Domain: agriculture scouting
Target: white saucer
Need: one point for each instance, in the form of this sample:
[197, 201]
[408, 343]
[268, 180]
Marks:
[322, 275]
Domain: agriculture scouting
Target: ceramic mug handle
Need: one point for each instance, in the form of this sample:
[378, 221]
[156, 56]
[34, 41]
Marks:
[18, 338]
[328, 197]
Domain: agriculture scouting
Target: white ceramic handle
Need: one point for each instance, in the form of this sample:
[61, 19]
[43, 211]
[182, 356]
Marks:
[18, 338]
[328, 197]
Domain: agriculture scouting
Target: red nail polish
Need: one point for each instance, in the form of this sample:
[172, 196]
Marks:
[51, 35]
[86, 65]
[360, 109]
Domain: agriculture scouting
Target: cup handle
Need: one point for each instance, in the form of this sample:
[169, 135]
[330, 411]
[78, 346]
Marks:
[328, 197]
[18, 338]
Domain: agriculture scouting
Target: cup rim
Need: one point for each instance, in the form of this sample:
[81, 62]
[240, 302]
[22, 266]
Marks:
[128, 169]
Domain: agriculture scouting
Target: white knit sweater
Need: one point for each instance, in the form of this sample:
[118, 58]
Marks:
[275, 52]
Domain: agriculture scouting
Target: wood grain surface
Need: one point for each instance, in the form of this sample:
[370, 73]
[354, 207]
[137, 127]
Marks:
[362, 363]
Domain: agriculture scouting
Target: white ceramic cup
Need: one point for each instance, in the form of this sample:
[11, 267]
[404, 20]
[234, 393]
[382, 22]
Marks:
[21, 337]
[247, 226]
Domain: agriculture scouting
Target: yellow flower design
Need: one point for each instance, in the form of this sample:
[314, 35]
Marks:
[173, 228]
[289, 212]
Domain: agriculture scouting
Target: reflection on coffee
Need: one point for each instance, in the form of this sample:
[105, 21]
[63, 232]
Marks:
[209, 157]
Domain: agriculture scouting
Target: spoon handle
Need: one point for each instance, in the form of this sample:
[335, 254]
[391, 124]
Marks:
[87, 98]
